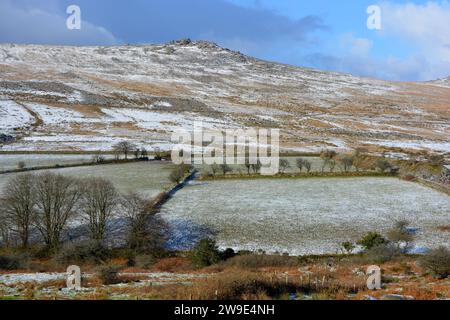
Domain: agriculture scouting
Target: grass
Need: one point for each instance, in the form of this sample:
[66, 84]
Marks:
[271, 277]
[72, 165]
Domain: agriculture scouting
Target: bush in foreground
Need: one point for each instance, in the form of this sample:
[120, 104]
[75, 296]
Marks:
[382, 253]
[14, 261]
[89, 252]
[437, 262]
[372, 239]
[205, 253]
[108, 274]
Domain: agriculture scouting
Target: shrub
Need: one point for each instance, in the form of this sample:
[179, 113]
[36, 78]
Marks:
[227, 254]
[108, 274]
[348, 247]
[205, 253]
[437, 262]
[14, 261]
[382, 253]
[89, 252]
[21, 165]
[284, 165]
[371, 240]
[177, 174]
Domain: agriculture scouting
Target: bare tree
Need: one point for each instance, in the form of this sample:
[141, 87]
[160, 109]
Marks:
[257, 167]
[18, 206]
[214, 169]
[346, 162]
[144, 153]
[300, 164]
[145, 227]
[124, 147]
[4, 230]
[248, 166]
[332, 164]
[178, 174]
[137, 153]
[284, 165]
[303, 163]
[225, 168]
[307, 165]
[99, 199]
[98, 158]
[56, 199]
[327, 156]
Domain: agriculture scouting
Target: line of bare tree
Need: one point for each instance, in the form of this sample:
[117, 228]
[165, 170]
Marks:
[47, 203]
[127, 148]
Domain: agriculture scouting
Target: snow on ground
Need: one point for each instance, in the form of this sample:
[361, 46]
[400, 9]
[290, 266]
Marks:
[13, 116]
[303, 216]
[160, 277]
[147, 178]
[10, 161]
[152, 120]
[9, 279]
[59, 116]
[418, 145]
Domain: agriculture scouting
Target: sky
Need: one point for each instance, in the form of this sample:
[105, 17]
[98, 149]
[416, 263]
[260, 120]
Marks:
[413, 43]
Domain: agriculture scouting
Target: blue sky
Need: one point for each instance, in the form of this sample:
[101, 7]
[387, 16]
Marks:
[413, 44]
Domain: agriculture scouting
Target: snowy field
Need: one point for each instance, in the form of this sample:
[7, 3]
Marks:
[147, 178]
[11, 161]
[304, 216]
[13, 116]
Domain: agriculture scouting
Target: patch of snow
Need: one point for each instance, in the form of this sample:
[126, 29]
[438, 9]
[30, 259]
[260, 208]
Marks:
[13, 116]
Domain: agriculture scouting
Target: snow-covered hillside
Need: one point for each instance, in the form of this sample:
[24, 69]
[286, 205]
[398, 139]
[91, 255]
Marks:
[87, 98]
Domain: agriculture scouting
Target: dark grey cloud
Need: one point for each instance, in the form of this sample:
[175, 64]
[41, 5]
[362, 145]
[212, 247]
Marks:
[164, 20]
[154, 21]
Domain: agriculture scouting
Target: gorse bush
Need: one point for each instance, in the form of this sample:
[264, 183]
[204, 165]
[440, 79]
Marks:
[227, 254]
[205, 253]
[14, 261]
[382, 253]
[108, 274]
[89, 252]
[372, 239]
[348, 247]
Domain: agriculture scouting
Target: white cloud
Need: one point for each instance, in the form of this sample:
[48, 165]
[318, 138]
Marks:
[425, 26]
[356, 46]
[30, 25]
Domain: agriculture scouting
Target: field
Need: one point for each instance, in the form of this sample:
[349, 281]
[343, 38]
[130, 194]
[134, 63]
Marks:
[11, 161]
[304, 216]
[147, 178]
